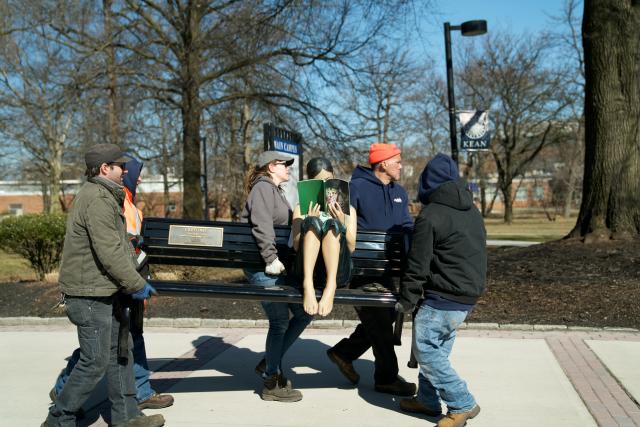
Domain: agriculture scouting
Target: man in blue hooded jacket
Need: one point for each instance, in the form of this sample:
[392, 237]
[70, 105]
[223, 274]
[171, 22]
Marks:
[446, 272]
[381, 205]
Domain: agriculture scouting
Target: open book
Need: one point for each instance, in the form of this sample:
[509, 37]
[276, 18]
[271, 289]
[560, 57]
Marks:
[323, 193]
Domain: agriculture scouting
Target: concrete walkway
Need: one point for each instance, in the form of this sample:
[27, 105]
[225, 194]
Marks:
[520, 378]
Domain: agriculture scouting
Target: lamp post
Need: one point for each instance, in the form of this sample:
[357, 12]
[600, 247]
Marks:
[469, 29]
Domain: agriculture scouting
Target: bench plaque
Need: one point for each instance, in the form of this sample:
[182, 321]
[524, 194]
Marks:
[189, 235]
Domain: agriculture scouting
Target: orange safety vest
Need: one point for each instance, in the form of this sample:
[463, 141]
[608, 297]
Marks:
[132, 215]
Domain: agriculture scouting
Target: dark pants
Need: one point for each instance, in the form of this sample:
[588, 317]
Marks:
[98, 325]
[376, 331]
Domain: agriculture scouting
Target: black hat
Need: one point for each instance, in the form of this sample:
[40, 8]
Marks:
[104, 153]
[267, 157]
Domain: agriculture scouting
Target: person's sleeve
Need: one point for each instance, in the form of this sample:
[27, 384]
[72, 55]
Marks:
[108, 246]
[353, 196]
[416, 272]
[261, 207]
[296, 226]
[407, 223]
[407, 219]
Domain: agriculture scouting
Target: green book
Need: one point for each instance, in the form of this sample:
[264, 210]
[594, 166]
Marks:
[323, 193]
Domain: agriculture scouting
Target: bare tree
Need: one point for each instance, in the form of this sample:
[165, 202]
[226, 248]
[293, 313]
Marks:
[611, 190]
[191, 47]
[380, 93]
[40, 99]
[510, 77]
[571, 153]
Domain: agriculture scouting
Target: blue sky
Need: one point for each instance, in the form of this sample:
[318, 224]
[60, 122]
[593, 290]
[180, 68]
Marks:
[515, 16]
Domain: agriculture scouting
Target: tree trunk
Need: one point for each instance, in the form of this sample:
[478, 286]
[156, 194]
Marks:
[55, 176]
[192, 206]
[166, 200]
[610, 205]
[507, 198]
[568, 201]
[112, 85]
[46, 196]
[58, 144]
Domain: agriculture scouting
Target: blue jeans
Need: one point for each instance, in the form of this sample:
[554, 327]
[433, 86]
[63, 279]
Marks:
[98, 327]
[282, 331]
[434, 332]
[140, 369]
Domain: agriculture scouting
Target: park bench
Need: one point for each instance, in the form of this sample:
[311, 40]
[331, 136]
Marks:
[173, 241]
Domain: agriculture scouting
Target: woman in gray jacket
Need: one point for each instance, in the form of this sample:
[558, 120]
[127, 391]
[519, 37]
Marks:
[267, 206]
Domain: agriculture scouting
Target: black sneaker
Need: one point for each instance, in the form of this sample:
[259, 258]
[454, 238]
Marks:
[399, 387]
[277, 388]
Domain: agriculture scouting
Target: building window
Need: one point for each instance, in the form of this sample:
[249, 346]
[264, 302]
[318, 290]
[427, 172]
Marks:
[522, 194]
[539, 193]
[172, 206]
[15, 209]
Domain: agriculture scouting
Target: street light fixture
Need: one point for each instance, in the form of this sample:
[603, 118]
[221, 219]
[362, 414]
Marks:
[468, 29]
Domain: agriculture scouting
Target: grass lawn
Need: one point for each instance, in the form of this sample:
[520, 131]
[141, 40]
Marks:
[13, 268]
[536, 228]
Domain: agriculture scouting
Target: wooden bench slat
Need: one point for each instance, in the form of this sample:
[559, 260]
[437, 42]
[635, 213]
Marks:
[272, 293]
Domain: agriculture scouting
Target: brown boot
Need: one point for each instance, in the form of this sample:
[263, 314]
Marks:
[412, 405]
[261, 367]
[157, 401]
[345, 366]
[144, 421]
[458, 420]
[277, 388]
[52, 395]
[399, 387]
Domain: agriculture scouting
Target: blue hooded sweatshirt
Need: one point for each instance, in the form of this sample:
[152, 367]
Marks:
[130, 179]
[379, 207]
[439, 170]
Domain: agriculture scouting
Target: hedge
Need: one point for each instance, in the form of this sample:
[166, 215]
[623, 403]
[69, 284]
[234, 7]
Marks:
[36, 237]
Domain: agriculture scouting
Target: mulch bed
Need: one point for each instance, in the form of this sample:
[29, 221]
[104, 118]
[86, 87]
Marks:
[558, 283]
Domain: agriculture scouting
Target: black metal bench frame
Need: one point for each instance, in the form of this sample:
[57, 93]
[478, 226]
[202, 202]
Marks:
[378, 255]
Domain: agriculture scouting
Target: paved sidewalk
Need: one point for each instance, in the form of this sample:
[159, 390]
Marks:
[520, 378]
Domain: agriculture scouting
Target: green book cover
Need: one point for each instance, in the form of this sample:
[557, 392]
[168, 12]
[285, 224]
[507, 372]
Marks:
[323, 193]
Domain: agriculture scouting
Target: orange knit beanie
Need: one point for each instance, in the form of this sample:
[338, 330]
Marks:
[381, 152]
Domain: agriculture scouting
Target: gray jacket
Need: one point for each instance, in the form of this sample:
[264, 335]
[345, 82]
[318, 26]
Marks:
[97, 258]
[266, 206]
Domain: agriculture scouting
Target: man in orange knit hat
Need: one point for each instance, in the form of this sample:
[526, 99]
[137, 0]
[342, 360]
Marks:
[381, 205]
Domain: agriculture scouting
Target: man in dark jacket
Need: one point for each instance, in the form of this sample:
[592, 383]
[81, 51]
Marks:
[97, 264]
[146, 396]
[382, 205]
[446, 269]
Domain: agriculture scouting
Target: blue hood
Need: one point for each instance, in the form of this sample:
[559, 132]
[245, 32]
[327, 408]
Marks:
[439, 170]
[130, 179]
[380, 207]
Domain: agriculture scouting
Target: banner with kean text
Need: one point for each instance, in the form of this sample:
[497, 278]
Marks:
[474, 134]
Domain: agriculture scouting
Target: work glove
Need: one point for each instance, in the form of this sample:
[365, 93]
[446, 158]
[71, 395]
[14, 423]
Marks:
[144, 293]
[404, 306]
[275, 267]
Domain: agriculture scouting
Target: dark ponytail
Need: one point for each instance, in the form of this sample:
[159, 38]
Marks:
[317, 165]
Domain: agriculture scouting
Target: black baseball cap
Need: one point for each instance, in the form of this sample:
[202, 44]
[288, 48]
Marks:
[105, 153]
